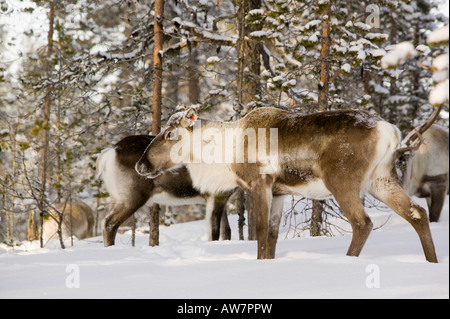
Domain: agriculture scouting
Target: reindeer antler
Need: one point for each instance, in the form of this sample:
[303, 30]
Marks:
[414, 138]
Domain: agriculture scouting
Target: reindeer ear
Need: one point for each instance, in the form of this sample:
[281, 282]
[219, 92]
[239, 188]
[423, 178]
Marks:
[189, 118]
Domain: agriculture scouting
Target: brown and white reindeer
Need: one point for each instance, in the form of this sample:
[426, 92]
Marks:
[130, 191]
[78, 220]
[344, 154]
[425, 167]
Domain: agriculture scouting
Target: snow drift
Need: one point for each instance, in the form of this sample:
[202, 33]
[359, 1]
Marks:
[186, 265]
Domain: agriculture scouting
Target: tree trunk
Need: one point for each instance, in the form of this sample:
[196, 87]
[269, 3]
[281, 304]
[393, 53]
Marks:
[414, 111]
[316, 218]
[133, 230]
[248, 79]
[157, 66]
[317, 209]
[194, 88]
[12, 208]
[157, 101]
[249, 58]
[324, 59]
[8, 216]
[33, 233]
[60, 234]
[154, 225]
[240, 209]
[45, 132]
[386, 113]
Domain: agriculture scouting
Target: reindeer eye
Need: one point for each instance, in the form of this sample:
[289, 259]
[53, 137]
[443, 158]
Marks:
[171, 135]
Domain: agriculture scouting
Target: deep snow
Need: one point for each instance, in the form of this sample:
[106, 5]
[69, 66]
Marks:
[185, 265]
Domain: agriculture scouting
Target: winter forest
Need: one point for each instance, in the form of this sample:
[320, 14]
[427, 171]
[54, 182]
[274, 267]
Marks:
[77, 76]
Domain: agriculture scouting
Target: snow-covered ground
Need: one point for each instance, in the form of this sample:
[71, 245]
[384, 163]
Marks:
[185, 265]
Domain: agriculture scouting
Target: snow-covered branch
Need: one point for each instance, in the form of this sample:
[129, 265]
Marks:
[200, 34]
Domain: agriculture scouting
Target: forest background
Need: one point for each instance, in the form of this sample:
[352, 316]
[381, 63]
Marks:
[76, 76]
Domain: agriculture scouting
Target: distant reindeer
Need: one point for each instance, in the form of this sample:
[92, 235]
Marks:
[130, 191]
[344, 154]
[77, 220]
[425, 167]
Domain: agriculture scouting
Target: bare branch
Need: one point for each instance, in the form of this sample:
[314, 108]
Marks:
[201, 34]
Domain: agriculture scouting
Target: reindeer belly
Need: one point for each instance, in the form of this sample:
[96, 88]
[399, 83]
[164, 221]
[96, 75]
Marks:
[314, 189]
[175, 191]
[301, 181]
[212, 178]
[168, 199]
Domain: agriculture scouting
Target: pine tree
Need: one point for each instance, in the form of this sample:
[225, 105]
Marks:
[157, 101]
[219, 55]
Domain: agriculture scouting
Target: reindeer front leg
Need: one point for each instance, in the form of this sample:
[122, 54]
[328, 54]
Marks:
[274, 223]
[261, 197]
[216, 218]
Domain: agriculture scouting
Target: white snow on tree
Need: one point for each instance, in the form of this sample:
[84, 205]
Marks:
[440, 68]
[401, 52]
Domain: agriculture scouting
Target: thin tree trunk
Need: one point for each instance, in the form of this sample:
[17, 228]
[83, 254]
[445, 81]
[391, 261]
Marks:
[157, 65]
[240, 208]
[157, 101]
[324, 58]
[154, 225]
[59, 166]
[387, 113]
[133, 230]
[12, 208]
[248, 75]
[33, 233]
[414, 111]
[60, 234]
[45, 132]
[239, 108]
[249, 58]
[316, 218]
[194, 88]
[317, 207]
[5, 201]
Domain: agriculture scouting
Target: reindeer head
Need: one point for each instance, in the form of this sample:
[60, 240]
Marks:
[170, 147]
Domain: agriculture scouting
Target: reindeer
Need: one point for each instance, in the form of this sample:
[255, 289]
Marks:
[344, 154]
[424, 164]
[77, 220]
[129, 191]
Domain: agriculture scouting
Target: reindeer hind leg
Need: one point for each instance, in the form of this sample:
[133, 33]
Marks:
[353, 208]
[389, 191]
[436, 200]
[120, 212]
